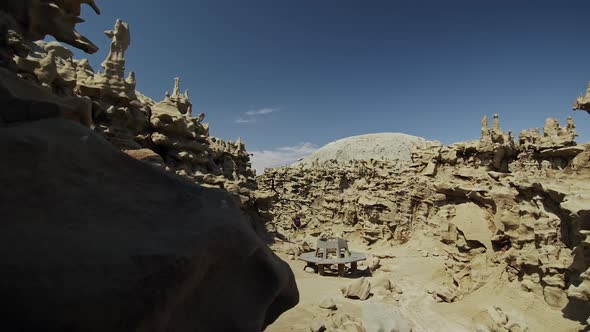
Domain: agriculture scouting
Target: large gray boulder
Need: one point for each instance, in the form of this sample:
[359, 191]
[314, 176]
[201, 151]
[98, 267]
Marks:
[93, 240]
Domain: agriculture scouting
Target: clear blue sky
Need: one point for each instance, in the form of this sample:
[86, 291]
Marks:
[336, 68]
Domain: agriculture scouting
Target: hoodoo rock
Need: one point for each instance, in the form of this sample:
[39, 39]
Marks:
[41, 80]
[582, 103]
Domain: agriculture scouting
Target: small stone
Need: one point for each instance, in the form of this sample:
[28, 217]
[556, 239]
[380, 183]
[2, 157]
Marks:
[359, 289]
[374, 263]
[317, 326]
[447, 294]
[309, 269]
[498, 316]
[425, 254]
[291, 257]
[305, 247]
[328, 303]
[386, 269]
[382, 286]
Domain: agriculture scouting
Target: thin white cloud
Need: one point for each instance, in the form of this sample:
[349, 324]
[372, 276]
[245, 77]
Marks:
[244, 120]
[262, 111]
[280, 156]
[250, 116]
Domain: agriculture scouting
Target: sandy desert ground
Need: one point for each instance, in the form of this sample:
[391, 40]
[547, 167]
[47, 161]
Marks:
[415, 275]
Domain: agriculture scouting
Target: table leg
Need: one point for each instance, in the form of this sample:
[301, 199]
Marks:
[341, 270]
[353, 267]
[321, 269]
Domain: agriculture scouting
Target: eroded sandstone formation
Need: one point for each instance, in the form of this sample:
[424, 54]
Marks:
[518, 208]
[95, 240]
[185, 145]
[108, 102]
[369, 199]
[582, 103]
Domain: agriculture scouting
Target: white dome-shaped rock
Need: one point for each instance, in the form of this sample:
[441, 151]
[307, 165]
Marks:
[383, 146]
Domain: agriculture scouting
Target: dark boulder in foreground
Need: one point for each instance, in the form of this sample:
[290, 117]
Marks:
[93, 240]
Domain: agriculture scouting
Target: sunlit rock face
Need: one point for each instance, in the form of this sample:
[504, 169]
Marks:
[582, 103]
[42, 80]
[501, 204]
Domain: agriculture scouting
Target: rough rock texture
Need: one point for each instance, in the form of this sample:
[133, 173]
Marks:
[505, 206]
[41, 80]
[375, 318]
[384, 146]
[82, 252]
[366, 199]
[35, 19]
[95, 240]
[582, 103]
[110, 86]
[344, 322]
[32, 85]
[495, 320]
[185, 144]
[358, 289]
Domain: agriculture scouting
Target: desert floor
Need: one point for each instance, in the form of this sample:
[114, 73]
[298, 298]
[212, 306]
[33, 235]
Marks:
[415, 275]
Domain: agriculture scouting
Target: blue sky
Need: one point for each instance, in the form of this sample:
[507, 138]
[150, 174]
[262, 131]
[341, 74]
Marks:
[291, 75]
